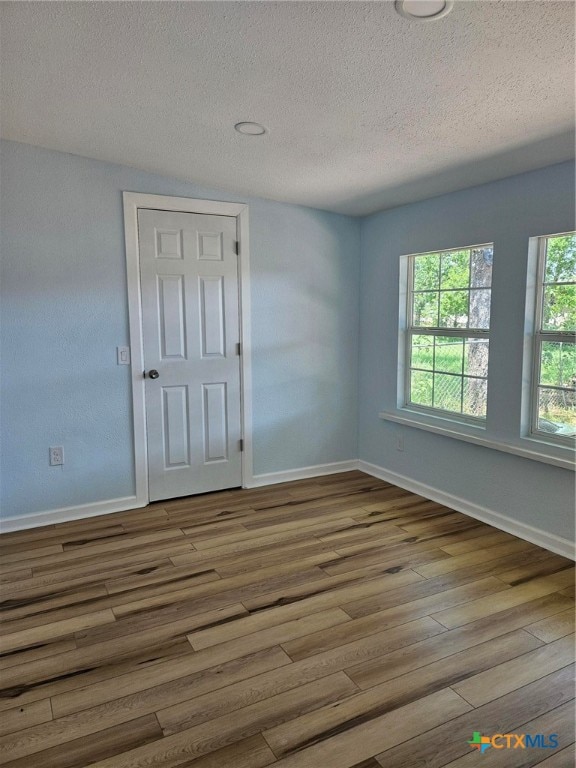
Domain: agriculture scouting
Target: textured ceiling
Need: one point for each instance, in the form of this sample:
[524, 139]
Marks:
[365, 109]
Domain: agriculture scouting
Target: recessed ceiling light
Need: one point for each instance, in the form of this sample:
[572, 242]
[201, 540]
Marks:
[250, 129]
[423, 10]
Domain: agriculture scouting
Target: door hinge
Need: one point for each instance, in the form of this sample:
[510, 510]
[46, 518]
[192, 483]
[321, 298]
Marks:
[237, 247]
[241, 441]
[238, 348]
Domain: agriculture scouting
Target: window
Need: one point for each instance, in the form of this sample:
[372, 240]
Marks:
[448, 321]
[554, 378]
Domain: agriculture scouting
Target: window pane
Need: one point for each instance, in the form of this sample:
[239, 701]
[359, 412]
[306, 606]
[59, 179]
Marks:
[449, 352]
[481, 268]
[561, 259]
[425, 310]
[454, 309]
[450, 292]
[422, 352]
[479, 309]
[557, 411]
[558, 364]
[455, 269]
[476, 357]
[559, 308]
[448, 392]
[421, 388]
[427, 272]
[474, 403]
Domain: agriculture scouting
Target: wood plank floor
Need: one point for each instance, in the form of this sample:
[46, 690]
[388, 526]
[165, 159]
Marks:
[338, 622]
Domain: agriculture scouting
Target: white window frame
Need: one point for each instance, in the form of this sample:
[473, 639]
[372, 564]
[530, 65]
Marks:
[410, 331]
[539, 337]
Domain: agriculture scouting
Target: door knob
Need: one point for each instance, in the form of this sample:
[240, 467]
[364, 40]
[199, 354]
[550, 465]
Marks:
[153, 374]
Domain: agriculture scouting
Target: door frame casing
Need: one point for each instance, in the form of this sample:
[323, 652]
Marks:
[133, 201]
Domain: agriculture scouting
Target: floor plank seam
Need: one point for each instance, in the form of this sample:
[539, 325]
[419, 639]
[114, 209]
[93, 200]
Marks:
[322, 611]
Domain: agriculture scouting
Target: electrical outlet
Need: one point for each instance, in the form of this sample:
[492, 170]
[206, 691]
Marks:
[399, 442]
[56, 455]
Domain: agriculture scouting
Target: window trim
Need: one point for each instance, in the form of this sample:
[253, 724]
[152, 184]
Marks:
[408, 331]
[522, 443]
[539, 336]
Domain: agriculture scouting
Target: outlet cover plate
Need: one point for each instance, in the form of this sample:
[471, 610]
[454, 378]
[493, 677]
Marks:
[56, 455]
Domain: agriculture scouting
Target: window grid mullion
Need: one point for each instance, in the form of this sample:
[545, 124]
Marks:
[439, 292]
[469, 295]
[433, 370]
[558, 337]
[556, 387]
[464, 288]
[462, 387]
[467, 333]
[451, 373]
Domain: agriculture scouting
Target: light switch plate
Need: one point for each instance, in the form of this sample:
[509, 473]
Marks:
[123, 355]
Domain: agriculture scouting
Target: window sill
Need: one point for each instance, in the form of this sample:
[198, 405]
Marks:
[529, 448]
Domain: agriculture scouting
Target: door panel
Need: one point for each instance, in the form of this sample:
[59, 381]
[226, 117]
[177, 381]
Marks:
[215, 422]
[176, 426]
[212, 317]
[190, 319]
[171, 316]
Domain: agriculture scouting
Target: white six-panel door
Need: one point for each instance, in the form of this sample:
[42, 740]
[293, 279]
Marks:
[190, 324]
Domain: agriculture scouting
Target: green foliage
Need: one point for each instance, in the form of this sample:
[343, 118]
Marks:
[558, 360]
[454, 309]
[441, 283]
[558, 364]
[561, 259]
[455, 269]
[427, 272]
[439, 302]
[560, 300]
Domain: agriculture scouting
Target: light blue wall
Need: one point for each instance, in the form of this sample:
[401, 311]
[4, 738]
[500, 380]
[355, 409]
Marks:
[64, 311]
[508, 213]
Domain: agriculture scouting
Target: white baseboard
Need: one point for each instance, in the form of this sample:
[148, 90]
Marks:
[65, 514]
[303, 473]
[550, 541]
[537, 536]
